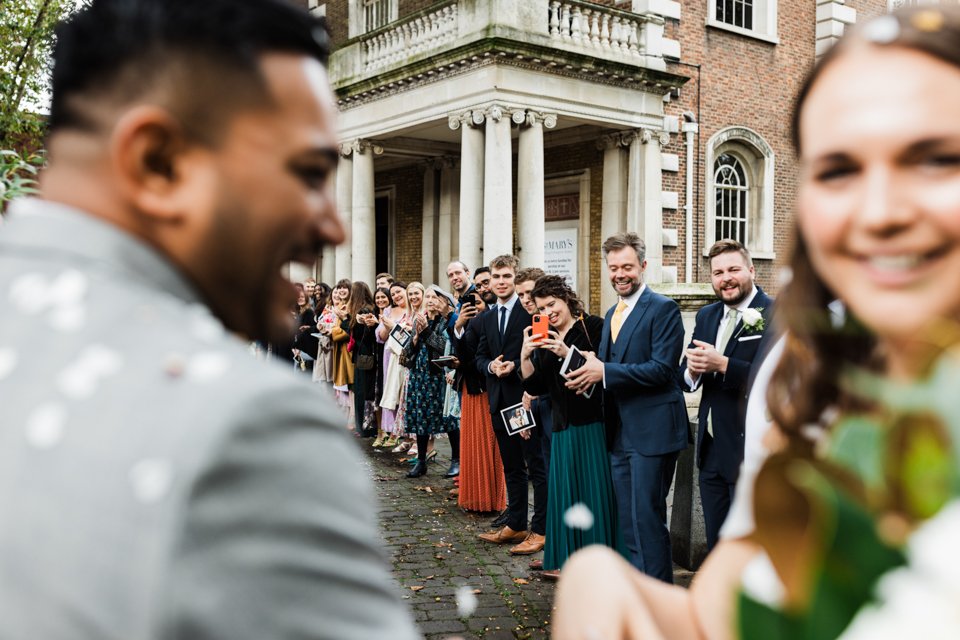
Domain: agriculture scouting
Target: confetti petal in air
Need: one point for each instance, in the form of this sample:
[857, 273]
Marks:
[151, 479]
[8, 361]
[80, 379]
[69, 287]
[207, 366]
[45, 426]
[466, 601]
[31, 293]
[578, 516]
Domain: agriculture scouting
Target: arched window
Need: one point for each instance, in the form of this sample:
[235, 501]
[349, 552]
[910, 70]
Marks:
[739, 190]
[732, 198]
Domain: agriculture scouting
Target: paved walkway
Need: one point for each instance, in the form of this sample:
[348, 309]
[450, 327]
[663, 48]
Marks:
[434, 548]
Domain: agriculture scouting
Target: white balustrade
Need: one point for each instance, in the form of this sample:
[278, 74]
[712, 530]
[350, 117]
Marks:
[605, 31]
[395, 44]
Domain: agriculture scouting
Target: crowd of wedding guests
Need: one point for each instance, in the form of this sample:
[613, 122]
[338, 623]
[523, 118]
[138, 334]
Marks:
[530, 389]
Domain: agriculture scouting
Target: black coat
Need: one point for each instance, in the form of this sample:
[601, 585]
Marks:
[508, 391]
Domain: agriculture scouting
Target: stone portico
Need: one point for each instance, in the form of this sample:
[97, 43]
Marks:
[533, 127]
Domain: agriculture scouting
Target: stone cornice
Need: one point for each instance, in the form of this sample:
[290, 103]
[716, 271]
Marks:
[465, 59]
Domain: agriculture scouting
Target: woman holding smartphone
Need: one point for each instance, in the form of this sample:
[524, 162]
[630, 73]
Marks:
[393, 374]
[579, 464]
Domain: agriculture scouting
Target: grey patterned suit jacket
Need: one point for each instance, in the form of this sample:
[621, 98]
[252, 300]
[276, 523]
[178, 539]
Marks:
[156, 481]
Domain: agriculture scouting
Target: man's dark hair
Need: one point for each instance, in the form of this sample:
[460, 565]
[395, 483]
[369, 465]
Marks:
[480, 271]
[200, 59]
[729, 246]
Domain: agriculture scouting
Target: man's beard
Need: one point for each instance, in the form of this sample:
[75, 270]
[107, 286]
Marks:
[489, 298]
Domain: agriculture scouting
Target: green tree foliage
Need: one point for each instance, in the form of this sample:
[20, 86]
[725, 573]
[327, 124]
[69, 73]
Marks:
[26, 39]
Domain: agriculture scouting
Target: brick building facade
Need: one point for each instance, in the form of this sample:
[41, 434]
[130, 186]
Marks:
[609, 99]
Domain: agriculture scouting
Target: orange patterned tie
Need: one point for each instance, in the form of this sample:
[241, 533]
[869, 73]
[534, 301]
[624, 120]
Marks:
[617, 321]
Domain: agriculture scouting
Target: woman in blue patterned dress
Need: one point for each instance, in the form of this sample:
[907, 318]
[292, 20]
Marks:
[427, 384]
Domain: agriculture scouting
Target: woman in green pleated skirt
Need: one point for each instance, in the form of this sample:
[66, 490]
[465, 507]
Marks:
[581, 507]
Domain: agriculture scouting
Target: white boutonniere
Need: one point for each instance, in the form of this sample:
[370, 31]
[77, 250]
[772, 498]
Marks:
[753, 319]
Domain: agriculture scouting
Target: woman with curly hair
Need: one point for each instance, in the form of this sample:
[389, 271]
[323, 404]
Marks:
[580, 476]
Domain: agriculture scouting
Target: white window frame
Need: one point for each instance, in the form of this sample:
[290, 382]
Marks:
[764, 21]
[759, 163]
[355, 18]
[317, 9]
[740, 192]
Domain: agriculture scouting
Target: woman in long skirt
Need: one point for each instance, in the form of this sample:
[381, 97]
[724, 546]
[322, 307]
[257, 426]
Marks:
[393, 372]
[364, 319]
[426, 387]
[579, 467]
[482, 485]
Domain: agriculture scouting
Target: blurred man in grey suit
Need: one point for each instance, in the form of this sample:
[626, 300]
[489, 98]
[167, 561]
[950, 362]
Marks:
[155, 480]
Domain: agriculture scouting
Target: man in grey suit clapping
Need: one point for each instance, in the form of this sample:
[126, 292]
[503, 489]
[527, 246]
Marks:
[155, 480]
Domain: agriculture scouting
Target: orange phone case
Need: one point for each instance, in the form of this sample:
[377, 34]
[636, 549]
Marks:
[540, 326]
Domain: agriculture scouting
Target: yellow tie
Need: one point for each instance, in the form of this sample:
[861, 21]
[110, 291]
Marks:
[617, 321]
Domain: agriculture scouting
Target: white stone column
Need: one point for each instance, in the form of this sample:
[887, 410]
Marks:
[364, 212]
[343, 260]
[447, 240]
[470, 233]
[645, 196]
[530, 193]
[428, 232]
[613, 208]
[497, 186]
[328, 265]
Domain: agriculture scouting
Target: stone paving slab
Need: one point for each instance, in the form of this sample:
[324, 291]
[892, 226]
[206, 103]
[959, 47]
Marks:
[434, 549]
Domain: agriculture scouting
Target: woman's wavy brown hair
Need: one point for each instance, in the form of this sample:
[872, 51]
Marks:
[820, 348]
[556, 286]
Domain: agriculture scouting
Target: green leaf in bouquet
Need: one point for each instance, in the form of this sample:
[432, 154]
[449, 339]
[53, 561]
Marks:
[854, 558]
[758, 621]
[921, 467]
[824, 546]
[857, 444]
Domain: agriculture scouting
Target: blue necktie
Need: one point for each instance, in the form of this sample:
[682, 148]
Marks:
[503, 320]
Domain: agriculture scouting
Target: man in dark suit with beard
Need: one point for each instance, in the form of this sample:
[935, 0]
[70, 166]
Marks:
[725, 342]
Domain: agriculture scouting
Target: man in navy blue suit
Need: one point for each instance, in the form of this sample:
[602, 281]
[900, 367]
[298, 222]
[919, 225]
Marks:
[726, 339]
[498, 358]
[643, 405]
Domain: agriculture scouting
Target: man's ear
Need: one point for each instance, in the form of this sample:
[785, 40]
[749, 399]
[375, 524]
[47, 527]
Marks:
[155, 164]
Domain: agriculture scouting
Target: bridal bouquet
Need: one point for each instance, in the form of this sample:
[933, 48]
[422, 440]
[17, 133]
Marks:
[864, 535]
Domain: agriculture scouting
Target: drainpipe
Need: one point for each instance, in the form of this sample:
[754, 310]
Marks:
[690, 128]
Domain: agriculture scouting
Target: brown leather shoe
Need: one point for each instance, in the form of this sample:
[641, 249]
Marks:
[536, 565]
[506, 535]
[532, 544]
[551, 574]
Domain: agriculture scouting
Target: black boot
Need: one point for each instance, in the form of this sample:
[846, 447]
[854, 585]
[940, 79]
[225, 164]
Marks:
[500, 520]
[454, 469]
[419, 470]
